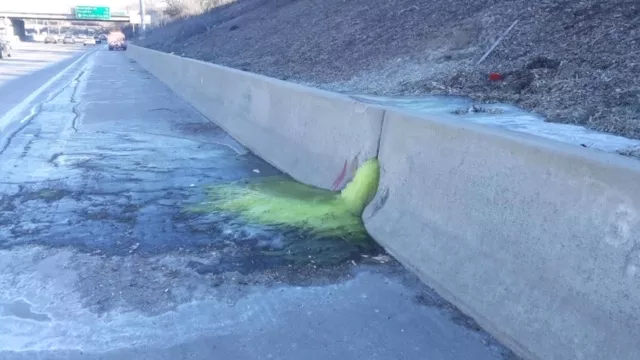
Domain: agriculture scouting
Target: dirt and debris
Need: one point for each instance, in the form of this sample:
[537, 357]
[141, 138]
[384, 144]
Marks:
[573, 61]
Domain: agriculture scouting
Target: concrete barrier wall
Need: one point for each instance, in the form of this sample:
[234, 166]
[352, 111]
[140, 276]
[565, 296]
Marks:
[308, 133]
[536, 240]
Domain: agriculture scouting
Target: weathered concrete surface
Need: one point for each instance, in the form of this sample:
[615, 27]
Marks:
[101, 259]
[537, 240]
[308, 133]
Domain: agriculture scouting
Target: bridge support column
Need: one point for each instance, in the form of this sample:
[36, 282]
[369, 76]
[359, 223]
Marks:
[18, 29]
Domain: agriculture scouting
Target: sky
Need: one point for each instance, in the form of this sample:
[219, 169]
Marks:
[57, 4]
[71, 3]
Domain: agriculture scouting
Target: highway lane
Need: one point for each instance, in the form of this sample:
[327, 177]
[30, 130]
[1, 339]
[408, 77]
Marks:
[30, 57]
[102, 258]
[30, 68]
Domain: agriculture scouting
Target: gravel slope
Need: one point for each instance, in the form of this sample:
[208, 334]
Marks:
[573, 61]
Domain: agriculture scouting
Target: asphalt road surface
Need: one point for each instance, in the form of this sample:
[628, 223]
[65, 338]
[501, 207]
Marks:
[29, 69]
[100, 260]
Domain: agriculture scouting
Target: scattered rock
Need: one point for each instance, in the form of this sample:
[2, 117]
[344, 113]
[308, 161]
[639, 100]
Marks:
[381, 258]
[633, 152]
[542, 62]
[134, 248]
[520, 80]
[477, 109]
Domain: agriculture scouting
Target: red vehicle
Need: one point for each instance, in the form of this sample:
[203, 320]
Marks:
[116, 41]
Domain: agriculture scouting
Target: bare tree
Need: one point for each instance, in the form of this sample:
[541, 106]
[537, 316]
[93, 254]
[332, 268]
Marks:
[183, 8]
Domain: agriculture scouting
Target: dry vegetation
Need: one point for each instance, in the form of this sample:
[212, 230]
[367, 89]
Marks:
[184, 8]
[573, 61]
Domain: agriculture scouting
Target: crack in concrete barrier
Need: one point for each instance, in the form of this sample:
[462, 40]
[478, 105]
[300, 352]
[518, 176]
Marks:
[379, 203]
[384, 114]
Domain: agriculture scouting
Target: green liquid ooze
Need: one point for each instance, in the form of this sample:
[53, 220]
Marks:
[327, 225]
[280, 201]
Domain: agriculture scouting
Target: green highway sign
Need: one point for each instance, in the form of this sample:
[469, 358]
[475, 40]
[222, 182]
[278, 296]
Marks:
[93, 13]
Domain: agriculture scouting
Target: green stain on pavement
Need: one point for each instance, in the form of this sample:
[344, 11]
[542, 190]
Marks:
[281, 201]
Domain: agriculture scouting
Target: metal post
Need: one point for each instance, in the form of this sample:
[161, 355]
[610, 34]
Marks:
[143, 27]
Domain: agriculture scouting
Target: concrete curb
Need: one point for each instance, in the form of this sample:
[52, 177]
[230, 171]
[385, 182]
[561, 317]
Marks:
[537, 240]
[310, 134]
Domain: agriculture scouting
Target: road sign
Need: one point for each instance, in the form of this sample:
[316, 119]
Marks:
[135, 19]
[93, 13]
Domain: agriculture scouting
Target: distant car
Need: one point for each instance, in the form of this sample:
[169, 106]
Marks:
[118, 45]
[89, 41]
[50, 39]
[69, 40]
[5, 49]
[97, 39]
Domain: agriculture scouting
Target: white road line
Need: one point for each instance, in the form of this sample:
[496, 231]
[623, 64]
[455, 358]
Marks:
[9, 115]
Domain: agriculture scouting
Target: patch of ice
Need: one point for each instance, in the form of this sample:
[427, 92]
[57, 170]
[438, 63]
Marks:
[508, 117]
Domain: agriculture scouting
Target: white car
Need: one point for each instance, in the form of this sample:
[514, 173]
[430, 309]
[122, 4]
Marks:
[89, 41]
[5, 49]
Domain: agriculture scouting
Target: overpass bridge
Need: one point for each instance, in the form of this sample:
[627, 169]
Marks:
[14, 14]
[59, 10]
[66, 14]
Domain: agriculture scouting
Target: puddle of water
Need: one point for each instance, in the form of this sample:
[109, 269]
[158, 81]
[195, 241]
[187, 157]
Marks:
[21, 309]
[508, 117]
[47, 195]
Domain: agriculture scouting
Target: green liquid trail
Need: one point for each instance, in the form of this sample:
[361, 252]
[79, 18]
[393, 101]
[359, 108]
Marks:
[281, 201]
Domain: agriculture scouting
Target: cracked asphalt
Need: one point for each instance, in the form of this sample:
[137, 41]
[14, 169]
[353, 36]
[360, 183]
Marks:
[100, 260]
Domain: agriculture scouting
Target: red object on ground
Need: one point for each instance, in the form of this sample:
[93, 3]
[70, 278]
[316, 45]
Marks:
[495, 76]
